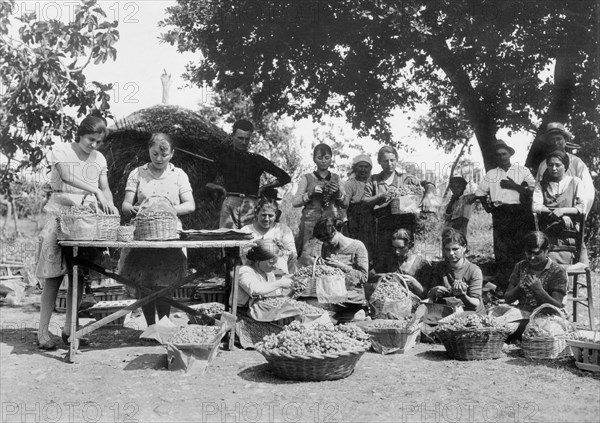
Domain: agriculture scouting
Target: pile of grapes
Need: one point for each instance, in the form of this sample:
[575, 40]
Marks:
[305, 309]
[194, 334]
[470, 322]
[402, 323]
[78, 210]
[389, 288]
[303, 278]
[406, 189]
[298, 339]
[210, 309]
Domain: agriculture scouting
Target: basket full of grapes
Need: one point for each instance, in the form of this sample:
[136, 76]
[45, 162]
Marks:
[389, 336]
[472, 336]
[304, 281]
[314, 353]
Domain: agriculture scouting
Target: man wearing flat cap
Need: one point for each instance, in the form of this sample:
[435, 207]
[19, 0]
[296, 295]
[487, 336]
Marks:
[556, 137]
[360, 219]
[506, 192]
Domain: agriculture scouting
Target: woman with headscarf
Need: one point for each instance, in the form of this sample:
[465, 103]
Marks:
[360, 219]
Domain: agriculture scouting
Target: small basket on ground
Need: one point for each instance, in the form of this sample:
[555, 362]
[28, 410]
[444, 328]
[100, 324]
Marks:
[391, 336]
[586, 353]
[313, 367]
[540, 344]
[156, 220]
[474, 344]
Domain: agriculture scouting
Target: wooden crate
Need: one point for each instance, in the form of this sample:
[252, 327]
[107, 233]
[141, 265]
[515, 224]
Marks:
[61, 301]
[106, 308]
[210, 295]
[185, 292]
[587, 354]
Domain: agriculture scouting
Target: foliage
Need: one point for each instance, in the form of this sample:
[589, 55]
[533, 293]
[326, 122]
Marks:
[42, 76]
[374, 56]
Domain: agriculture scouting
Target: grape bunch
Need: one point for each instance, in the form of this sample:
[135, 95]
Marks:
[210, 309]
[407, 189]
[194, 334]
[298, 339]
[471, 321]
[388, 289]
[78, 210]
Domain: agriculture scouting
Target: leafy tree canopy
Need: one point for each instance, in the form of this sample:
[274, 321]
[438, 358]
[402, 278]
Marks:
[43, 82]
[484, 56]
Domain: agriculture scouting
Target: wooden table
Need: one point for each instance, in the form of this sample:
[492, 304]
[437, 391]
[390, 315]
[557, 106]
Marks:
[232, 254]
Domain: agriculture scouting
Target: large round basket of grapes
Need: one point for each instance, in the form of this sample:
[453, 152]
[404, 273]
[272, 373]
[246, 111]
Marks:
[156, 220]
[316, 353]
[471, 336]
[546, 334]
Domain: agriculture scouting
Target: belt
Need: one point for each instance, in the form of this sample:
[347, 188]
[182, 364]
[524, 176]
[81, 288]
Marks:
[239, 194]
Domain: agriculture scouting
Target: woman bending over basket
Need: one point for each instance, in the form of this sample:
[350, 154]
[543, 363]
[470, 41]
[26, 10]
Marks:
[456, 277]
[78, 175]
[349, 255]
[256, 279]
[156, 268]
[534, 281]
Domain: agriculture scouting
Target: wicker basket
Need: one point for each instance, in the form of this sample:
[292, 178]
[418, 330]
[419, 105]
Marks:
[403, 307]
[313, 367]
[250, 332]
[546, 347]
[87, 227]
[152, 224]
[586, 353]
[474, 344]
[125, 233]
[391, 340]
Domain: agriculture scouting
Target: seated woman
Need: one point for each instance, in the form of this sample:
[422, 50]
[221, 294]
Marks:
[555, 197]
[410, 264]
[256, 279]
[536, 280]
[266, 226]
[455, 276]
[349, 255]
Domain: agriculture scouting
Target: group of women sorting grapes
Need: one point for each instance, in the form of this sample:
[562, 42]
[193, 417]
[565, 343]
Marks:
[349, 223]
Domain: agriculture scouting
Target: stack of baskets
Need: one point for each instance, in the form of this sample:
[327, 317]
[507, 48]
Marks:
[539, 343]
[469, 336]
[156, 220]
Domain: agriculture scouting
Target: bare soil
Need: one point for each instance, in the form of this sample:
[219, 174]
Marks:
[120, 378]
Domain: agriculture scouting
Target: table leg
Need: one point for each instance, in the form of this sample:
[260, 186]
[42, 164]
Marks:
[232, 259]
[74, 281]
[234, 303]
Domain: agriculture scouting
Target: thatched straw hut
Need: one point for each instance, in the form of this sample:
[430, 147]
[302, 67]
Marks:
[126, 147]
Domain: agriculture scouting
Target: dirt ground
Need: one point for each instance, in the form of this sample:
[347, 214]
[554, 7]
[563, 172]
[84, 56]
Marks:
[119, 378]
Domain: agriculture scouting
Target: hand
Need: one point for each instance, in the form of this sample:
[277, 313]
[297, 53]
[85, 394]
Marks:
[567, 222]
[390, 194]
[533, 282]
[438, 292]
[510, 184]
[427, 203]
[316, 190]
[103, 203]
[135, 210]
[336, 263]
[459, 288]
[557, 214]
[332, 187]
[285, 283]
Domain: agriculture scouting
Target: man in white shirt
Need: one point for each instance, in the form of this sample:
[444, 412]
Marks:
[506, 191]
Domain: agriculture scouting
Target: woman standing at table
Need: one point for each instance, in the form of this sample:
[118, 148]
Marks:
[266, 226]
[154, 267]
[78, 175]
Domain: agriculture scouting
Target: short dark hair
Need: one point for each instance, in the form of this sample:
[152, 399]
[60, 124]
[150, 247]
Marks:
[403, 234]
[322, 148]
[560, 155]
[452, 236]
[269, 203]
[166, 137]
[326, 228]
[244, 125]
[536, 239]
[386, 149]
[91, 125]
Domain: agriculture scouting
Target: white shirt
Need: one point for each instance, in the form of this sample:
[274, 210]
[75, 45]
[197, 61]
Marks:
[576, 168]
[490, 184]
[86, 171]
